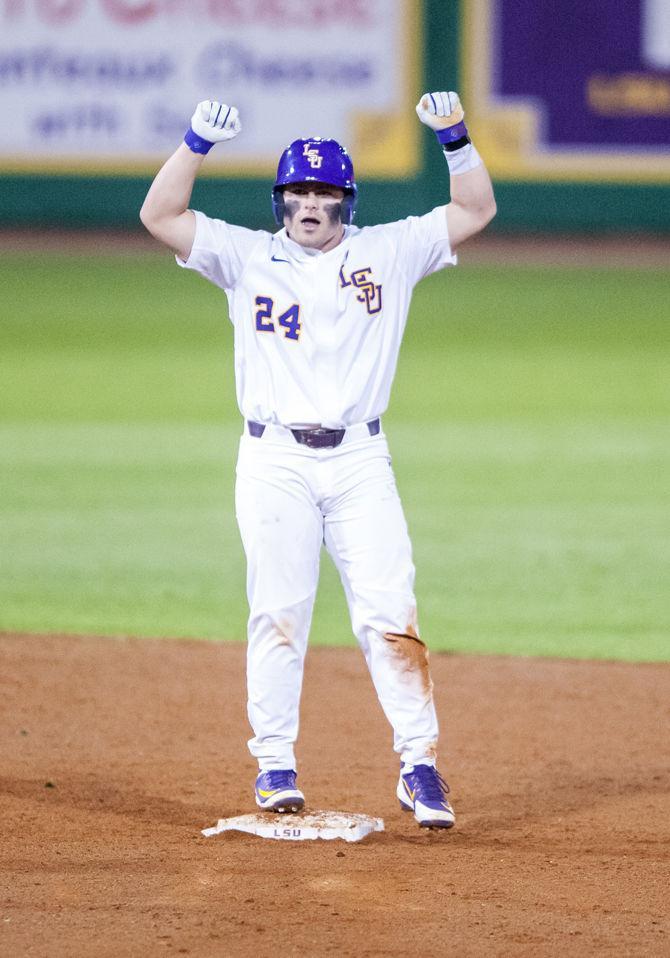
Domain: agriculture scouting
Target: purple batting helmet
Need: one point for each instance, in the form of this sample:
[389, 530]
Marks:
[319, 160]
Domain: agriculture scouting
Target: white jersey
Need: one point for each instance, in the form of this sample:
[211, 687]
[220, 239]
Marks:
[317, 335]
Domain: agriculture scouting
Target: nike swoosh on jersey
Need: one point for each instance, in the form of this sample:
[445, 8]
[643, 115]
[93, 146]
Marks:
[277, 259]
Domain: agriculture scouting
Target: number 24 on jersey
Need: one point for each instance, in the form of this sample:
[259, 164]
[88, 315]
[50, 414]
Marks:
[289, 320]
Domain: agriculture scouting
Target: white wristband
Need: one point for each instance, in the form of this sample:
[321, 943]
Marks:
[463, 160]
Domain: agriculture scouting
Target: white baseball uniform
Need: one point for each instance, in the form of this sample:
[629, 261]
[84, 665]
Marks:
[317, 337]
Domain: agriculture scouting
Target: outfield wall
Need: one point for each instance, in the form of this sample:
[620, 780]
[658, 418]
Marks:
[574, 143]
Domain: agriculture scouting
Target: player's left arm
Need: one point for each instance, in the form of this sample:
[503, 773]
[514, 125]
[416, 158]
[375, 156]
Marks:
[472, 203]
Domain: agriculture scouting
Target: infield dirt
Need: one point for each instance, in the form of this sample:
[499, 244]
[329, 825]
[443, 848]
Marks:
[116, 753]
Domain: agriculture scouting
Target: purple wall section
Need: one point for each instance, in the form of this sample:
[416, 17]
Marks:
[551, 49]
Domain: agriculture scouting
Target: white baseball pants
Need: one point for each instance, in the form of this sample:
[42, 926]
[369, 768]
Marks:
[290, 500]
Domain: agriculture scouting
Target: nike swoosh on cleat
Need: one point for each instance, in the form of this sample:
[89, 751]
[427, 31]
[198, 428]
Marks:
[264, 794]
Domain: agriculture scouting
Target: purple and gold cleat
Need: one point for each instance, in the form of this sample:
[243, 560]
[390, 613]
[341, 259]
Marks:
[276, 791]
[422, 790]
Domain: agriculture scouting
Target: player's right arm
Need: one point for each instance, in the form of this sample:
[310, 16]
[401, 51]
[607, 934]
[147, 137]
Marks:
[165, 211]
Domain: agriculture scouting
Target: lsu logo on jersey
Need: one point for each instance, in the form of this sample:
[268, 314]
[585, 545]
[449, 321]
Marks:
[314, 158]
[370, 293]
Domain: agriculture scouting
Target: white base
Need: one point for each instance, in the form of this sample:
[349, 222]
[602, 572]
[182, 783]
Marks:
[299, 828]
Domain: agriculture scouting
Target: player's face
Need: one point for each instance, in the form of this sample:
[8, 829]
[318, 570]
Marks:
[312, 214]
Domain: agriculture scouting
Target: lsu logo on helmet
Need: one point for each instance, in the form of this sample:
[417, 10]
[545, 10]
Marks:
[314, 158]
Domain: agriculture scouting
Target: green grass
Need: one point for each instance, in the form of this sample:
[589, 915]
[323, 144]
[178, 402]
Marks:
[529, 426]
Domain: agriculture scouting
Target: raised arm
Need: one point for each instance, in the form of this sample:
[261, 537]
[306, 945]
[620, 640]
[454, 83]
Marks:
[165, 211]
[472, 203]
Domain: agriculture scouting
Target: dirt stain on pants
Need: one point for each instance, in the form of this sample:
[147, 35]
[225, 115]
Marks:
[412, 656]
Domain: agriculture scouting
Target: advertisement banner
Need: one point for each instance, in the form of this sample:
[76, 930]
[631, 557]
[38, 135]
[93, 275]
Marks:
[110, 85]
[574, 91]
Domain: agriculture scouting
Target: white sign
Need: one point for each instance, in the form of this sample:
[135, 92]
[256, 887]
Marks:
[656, 34]
[111, 84]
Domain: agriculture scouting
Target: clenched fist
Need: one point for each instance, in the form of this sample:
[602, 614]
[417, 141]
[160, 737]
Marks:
[440, 110]
[215, 122]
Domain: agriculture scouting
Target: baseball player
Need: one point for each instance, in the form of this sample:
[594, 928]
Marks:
[318, 311]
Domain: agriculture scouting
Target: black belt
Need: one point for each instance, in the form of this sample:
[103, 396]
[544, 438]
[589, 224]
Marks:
[314, 438]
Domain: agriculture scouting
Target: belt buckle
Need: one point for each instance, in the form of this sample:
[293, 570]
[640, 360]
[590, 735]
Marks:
[319, 438]
[313, 437]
